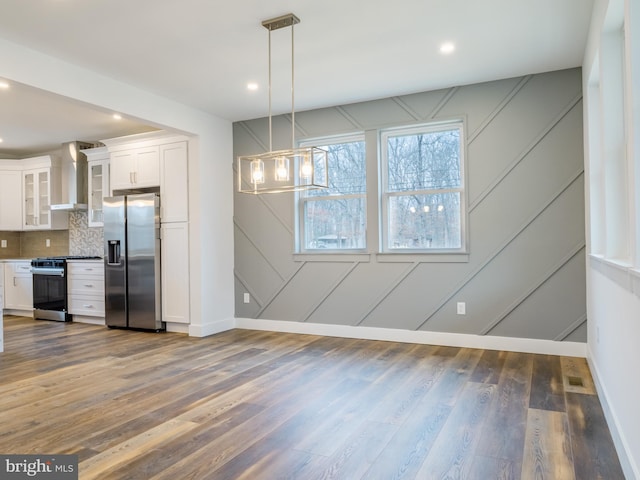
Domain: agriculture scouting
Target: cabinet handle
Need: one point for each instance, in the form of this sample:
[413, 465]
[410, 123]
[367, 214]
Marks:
[87, 306]
[131, 177]
[135, 177]
[88, 285]
[14, 282]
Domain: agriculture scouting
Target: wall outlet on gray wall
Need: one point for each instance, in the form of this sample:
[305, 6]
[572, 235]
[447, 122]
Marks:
[462, 308]
[247, 297]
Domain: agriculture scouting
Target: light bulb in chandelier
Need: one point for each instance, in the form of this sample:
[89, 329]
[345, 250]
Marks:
[306, 169]
[257, 172]
[282, 169]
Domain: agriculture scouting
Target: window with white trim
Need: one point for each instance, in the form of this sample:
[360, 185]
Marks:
[335, 218]
[423, 198]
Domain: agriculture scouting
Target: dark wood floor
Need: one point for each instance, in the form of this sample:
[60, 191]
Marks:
[256, 405]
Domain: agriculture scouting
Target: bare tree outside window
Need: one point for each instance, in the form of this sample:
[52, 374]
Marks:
[424, 188]
[335, 218]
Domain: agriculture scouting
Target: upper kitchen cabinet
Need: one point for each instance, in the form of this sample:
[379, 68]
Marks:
[41, 185]
[98, 182]
[174, 186]
[156, 159]
[10, 195]
[135, 168]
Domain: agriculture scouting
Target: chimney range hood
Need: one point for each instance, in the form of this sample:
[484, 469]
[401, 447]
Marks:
[74, 177]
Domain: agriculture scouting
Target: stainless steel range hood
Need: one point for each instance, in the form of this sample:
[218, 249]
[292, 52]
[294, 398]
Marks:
[74, 177]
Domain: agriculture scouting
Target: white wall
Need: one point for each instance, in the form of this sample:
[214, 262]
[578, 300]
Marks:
[613, 275]
[210, 168]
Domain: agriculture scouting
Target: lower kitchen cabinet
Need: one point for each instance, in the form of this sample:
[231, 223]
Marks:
[175, 272]
[85, 290]
[18, 286]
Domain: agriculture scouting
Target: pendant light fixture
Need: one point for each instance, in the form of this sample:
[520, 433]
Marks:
[290, 170]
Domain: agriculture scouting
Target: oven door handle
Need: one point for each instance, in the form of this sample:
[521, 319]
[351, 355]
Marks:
[48, 271]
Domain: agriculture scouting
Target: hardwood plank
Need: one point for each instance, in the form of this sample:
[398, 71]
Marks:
[489, 367]
[547, 391]
[547, 452]
[593, 452]
[453, 452]
[504, 430]
[486, 468]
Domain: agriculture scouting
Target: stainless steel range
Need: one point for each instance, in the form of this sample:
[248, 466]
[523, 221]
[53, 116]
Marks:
[50, 287]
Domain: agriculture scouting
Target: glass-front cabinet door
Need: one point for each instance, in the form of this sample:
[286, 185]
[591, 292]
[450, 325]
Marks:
[44, 199]
[37, 199]
[96, 187]
[98, 181]
[29, 189]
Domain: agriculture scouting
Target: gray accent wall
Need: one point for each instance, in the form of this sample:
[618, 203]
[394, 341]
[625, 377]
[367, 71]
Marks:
[525, 271]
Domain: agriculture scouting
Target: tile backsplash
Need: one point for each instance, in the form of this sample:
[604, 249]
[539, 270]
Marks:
[82, 239]
[78, 240]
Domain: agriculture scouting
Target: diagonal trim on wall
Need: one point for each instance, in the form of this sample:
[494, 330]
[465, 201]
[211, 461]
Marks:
[497, 252]
[253, 135]
[330, 290]
[349, 118]
[474, 203]
[571, 328]
[248, 288]
[406, 108]
[388, 292]
[499, 108]
[541, 281]
[280, 289]
[258, 249]
[443, 102]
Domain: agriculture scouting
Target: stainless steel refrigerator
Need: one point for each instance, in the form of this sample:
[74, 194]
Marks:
[132, 261]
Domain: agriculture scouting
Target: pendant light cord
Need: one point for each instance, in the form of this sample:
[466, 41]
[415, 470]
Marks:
[293, 110]
[270, 128]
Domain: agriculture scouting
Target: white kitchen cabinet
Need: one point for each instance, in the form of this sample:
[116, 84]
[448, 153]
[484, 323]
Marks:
[18, 286]
[175, 272]
[10, 200]
[41, 185]
[174, 184]
[98, 183]
[85, 290]
[1, 306]
[135, 168]
[1, 288]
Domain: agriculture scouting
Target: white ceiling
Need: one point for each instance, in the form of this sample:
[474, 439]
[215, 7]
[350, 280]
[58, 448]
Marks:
[204, 52]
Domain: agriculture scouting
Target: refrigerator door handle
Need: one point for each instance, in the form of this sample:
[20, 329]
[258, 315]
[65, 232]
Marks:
[113, 254]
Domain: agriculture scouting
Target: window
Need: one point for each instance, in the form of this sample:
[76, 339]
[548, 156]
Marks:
[335, 218]
[423, 202]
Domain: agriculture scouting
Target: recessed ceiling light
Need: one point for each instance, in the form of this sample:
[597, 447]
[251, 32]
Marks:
[447, 48]
[117, 116]
[252, 86]
[4, 84]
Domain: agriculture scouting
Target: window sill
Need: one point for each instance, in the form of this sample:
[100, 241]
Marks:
[382, 257]
[332, 257]
[413, 257]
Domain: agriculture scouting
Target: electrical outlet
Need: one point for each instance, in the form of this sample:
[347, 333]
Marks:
[47, 242]
[3, 244]
[462, 308]
[247, 297]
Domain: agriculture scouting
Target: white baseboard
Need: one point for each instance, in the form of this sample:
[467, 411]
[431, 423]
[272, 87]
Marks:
[206, 329]
[629, 468]
[87, 319]
[524, 345]
[177, 327]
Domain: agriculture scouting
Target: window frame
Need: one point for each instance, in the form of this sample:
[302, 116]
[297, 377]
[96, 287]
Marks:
[302, 198]
[385, 195]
